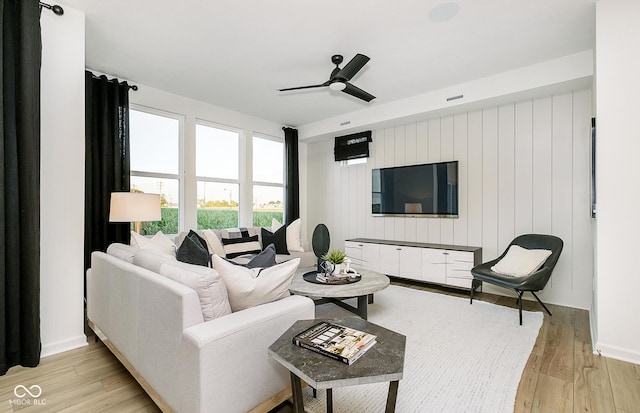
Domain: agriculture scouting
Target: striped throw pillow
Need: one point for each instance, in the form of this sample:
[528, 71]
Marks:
[234, 247]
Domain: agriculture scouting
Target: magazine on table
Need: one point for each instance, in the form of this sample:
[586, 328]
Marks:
[336, 341]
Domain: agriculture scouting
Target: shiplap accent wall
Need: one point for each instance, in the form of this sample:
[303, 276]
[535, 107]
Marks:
[523, 167]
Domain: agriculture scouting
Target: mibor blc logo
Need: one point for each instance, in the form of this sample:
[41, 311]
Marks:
[27, 396]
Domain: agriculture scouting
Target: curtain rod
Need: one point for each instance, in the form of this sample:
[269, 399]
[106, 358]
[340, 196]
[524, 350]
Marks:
[133, 87]
[55, 8]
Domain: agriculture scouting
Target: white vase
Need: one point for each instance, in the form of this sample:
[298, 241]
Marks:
[337, 269]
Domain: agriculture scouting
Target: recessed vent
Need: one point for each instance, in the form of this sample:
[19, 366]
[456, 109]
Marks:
[454, 98]
[345, 123]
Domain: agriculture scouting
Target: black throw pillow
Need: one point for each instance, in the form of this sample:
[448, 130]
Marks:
[278, 239]
[193, 250]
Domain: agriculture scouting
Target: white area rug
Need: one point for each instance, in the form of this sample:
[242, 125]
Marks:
[459, 357]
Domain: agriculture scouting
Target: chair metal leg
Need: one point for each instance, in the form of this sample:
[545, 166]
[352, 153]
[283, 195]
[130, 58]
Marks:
[471, 294]
[541, 303]
[520, 305]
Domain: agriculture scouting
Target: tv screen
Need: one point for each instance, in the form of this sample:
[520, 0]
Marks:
[427, 190]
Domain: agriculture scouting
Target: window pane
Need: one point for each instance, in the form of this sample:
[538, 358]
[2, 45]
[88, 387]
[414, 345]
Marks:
[268, 161]
[169, 196]
[268, 203]
[154, 142]
[217, 205]
[216, 152]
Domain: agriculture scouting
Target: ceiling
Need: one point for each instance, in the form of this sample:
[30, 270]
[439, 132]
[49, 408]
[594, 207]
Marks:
[236, 54]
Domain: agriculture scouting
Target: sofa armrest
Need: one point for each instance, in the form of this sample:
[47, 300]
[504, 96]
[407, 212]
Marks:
[226, 366]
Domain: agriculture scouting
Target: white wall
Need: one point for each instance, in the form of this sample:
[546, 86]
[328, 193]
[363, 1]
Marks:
[62, 182]
[193, 110]
[524, 167]
[618, 171]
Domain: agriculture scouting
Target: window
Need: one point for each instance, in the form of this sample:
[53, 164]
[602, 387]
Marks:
[217, 175]
[268, 180]
[155, 157]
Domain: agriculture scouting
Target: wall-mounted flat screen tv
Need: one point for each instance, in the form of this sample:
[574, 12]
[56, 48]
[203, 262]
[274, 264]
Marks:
[427, 190]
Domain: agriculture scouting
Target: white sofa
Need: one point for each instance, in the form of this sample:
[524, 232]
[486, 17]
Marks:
[156, 327]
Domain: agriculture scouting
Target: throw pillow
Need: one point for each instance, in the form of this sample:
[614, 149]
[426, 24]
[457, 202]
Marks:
[266, 259]
[234, 247]
[206, 282]
[193, 250]
[151, 260]
[275, 225]
[246, 289]
[158, 242]
[278, 239]
[123, 251]
[293, 236]
[519, 262]
[213, 243]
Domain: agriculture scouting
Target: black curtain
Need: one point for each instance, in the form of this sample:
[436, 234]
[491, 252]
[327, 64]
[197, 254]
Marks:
[292, 179]
[20, 184]
[106, 160]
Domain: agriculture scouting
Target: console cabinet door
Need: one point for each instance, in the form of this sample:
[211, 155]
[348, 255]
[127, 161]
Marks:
[389, 263]
[459, 265]
[434, 266]
[371, 257]
[411, 263]
[354, 252]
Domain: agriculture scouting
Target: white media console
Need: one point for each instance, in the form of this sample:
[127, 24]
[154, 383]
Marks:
[448, 265]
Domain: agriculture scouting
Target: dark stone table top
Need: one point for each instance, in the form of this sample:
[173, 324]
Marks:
[381, 363]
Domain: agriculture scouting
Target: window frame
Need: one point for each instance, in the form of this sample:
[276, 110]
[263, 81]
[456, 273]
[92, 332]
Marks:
[180, 176]
[241, 163]
[255, 183]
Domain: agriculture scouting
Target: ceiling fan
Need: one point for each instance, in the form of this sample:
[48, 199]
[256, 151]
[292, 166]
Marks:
[339, 79]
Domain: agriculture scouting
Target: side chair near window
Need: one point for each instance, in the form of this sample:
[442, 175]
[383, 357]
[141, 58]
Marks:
[526, 265]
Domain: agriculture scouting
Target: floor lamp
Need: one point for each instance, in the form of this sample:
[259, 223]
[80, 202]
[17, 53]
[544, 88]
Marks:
[134, 207]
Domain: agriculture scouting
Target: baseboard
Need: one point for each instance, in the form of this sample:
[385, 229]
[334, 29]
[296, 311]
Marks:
[62, 346]
[617, 353]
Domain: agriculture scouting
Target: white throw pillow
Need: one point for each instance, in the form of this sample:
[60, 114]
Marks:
[123, 251]
[158, 242]
[519, 261]
[250, 287]
[275, 225]
[293, 236]
[205, 281]
[213, 243]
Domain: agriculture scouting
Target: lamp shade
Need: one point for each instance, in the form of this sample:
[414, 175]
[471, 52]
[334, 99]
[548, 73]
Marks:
[134, 206]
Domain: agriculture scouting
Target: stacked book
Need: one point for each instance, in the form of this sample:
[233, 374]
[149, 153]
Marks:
[338, 342]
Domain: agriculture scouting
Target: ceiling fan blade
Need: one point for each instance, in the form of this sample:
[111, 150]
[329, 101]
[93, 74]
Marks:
[303, 87]
[357, 92]
[353, 66]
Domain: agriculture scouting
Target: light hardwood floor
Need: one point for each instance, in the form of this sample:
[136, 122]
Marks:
[562, 374]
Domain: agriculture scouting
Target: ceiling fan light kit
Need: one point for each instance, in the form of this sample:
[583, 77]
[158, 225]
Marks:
[339, 78]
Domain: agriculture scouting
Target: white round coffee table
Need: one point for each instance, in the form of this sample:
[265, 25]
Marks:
[370, 283]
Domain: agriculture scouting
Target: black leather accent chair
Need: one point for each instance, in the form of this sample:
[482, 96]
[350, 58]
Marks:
[533, 282]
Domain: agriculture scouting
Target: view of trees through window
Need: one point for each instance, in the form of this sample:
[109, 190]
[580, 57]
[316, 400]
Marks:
[268, 180]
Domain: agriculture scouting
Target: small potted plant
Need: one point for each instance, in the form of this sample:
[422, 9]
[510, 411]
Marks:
[336, 257]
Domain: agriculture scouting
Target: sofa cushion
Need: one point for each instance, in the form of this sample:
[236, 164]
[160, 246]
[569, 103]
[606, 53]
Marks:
[123, 251]
[151, 260]
[205, 281]
[193, 250]
[234, 247]
[519, 262]
[158, 242]
[278, 239]
[213, 243]
[250, 287]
